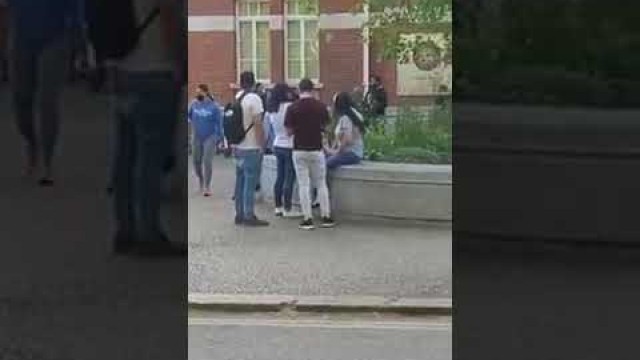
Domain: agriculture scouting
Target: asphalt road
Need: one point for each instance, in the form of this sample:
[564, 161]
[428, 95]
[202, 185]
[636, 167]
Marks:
[356, 258]
[265, 338]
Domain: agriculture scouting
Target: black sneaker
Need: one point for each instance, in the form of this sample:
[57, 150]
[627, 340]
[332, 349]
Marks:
[238, 220]
[255, 222]
[307, 224]
[327, 222]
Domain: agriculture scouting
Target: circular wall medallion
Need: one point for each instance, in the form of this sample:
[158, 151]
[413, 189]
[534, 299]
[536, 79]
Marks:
[428, 57]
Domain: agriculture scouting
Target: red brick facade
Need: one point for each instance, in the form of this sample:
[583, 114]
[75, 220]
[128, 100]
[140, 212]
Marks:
[213, 59]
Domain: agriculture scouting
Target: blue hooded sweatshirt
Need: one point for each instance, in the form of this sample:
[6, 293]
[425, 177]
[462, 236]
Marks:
[206, 119]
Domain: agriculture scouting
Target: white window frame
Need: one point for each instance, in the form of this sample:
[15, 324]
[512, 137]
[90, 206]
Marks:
[301, 19]
[254, 20]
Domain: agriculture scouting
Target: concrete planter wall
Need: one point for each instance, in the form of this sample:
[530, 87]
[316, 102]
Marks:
[396, 191]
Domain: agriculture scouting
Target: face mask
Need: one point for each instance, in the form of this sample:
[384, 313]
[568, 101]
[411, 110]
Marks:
[200, 97]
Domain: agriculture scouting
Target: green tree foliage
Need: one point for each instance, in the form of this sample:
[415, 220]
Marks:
[388, 20]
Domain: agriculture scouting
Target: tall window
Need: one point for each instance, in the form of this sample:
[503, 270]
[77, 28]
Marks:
[254, 47]
[303, 55]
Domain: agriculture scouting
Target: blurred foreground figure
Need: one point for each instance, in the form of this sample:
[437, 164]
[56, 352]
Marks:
[39, 33]
[141, 39]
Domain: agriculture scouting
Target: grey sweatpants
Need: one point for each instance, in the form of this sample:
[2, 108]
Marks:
[37, 78]
[203, 152]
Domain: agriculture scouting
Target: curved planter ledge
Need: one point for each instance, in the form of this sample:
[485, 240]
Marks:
[383, 190]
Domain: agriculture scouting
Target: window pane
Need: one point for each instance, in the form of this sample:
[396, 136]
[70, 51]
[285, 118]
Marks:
[262, 70]
[310, 30]
[292, 7]
[246, 39]
[293, 50]
[253, 8]
[294, 69]
[246, 65]
[293, 29]
[310, 50]
[312, 69]
[262, 50]
[263, 31]
[243, 8]
[306, 7]
[263, 8]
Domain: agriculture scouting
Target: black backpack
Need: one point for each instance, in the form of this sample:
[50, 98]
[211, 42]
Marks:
[234, 129]
[113, 28]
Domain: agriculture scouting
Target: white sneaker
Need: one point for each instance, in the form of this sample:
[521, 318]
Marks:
[292, 214]
[279, 212]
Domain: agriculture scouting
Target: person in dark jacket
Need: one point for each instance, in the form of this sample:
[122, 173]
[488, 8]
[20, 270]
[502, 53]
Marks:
[376, 97]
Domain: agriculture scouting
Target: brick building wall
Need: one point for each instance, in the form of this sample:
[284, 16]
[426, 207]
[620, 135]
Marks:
[343, 65]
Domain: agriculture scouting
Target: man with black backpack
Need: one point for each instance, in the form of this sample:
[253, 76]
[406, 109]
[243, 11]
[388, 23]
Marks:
[141, 38]
[245, 133]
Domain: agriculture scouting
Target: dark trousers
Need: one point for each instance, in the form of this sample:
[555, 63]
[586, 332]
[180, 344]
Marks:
[283, 189]
[147, 110]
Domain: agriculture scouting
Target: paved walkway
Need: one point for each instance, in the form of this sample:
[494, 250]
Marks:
[353, 259]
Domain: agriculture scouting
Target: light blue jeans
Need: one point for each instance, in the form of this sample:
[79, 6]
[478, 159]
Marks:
[247, 171]
[342, 159]
[147, 107]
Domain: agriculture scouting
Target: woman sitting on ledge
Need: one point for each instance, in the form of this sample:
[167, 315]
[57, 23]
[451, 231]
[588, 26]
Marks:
[349, 145]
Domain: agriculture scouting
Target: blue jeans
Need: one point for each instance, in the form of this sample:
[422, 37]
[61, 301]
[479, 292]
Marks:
[247, 166]
[283, 189]
[342, 159]
[146, 114]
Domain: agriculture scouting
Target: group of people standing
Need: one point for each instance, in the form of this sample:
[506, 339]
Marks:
[294, 125]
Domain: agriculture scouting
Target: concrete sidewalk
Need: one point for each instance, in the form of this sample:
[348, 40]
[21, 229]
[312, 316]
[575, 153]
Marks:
[355, 259]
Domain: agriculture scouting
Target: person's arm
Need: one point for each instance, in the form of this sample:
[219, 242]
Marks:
[217, 121]
[257, 111]
[345, 134]
[289, 121]
[190, 112]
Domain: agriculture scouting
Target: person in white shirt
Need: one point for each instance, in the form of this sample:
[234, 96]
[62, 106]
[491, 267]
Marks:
[248, 152]
[281, 99]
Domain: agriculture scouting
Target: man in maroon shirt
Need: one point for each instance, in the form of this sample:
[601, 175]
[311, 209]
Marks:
[306, 120]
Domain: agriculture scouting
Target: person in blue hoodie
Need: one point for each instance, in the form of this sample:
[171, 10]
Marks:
[39, 32]
[205, 117]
